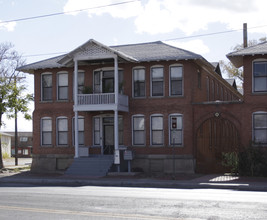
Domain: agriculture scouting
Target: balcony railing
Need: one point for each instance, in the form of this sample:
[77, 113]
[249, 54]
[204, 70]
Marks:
[101, 99]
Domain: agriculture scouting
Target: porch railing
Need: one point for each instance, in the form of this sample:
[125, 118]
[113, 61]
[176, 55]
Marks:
[101, 99]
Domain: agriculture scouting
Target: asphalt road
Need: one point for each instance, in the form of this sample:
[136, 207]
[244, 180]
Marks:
[31, 202]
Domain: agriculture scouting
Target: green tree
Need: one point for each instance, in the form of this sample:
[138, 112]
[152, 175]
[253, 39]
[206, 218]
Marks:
[230, 69]
[12, 95]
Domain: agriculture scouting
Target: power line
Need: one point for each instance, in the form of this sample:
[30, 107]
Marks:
[171, 39]
[68, 12]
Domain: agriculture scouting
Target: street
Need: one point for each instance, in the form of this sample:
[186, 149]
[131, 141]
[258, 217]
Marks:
[88, 202]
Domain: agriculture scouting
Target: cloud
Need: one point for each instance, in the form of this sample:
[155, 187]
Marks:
[10, 26]
[190, 16]
[196, 46]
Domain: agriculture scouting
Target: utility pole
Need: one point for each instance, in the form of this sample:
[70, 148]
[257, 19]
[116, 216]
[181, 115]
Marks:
[16, 124]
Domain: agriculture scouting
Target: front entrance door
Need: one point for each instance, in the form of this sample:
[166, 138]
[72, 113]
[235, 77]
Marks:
[108, 138]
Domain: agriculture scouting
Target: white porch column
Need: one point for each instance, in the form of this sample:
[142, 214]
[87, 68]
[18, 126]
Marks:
[116, 121]
[75, 107]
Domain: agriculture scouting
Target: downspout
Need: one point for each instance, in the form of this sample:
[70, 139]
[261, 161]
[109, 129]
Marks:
[75, 109]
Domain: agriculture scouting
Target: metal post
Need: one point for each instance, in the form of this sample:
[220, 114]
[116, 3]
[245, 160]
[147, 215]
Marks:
[75, 110]
[116, 120]
[173, 157]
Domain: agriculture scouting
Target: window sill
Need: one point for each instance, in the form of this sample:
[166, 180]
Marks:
[46, 146]
[64, 146]
[62, 100]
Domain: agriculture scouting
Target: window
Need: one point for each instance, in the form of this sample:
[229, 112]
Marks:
[104, 81]
[176, 129]
[80, 130]
[208, 88]
[138, 130]
[176, 80]
[199, 79]
[80, 82]
[23, 139]
[46, 131]
[47, 87]
[97, 131]
[62, 86]
[139, 82]
[260, 128]
[156, 130]
[157, 81]
[260, 76]
[62, 131]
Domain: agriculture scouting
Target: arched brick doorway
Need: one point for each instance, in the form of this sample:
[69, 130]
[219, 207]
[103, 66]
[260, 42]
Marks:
[215, 136]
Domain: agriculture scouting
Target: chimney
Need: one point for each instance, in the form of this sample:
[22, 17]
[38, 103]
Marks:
[245, 35]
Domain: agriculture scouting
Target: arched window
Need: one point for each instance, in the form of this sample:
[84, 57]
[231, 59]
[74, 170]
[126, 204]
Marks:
[46, 85]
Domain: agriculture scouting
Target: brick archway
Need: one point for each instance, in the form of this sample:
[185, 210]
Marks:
[215, 136]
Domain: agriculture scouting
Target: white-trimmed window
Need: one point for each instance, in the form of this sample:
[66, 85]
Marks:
[46, 131]
[62, 131]
[62, 86]
[176, 80]
[138, 123]
[80, 130]
[80, 82]
[157, 134]
[139, 85]
[157, 81]
[260, 76]
[260, 128]
[176, 129]
[97, 130]
[46, 82]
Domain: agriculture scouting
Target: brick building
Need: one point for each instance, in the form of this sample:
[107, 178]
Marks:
[168, 105]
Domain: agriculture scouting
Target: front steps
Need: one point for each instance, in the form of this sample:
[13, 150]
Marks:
[94, 166]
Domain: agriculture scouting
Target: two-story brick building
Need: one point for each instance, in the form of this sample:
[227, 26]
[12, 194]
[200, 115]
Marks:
[170, 106]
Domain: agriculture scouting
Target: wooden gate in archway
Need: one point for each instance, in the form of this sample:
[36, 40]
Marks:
[215, 136]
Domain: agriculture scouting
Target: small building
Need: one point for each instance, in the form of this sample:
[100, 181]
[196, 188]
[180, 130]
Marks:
[25, 140]
[6, 144]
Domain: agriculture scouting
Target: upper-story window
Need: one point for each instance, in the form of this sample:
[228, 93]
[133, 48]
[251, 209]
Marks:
[157, 81]
[46, 87]
[46, 131]
[139, 82]
[104, 81]
[176, 80]
[260, 76]
[260, 128]
[80, 82]
[62, 83]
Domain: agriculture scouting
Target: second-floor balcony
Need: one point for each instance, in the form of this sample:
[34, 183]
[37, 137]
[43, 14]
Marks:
[101, 102]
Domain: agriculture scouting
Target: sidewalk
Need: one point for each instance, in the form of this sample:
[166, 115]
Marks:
[194, 181]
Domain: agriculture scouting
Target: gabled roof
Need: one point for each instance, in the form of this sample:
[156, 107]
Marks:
[232, 83]
[236, 57]
[153, 51]
[217, 68]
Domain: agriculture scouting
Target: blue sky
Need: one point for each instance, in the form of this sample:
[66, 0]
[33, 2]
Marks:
[132, 22]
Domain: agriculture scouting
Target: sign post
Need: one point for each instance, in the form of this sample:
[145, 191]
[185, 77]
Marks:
[174, 126]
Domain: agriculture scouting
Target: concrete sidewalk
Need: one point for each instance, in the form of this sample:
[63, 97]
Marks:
[193, 181]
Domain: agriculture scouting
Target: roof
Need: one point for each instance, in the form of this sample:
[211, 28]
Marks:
[236, 57]
[231, 82]
[5, 134]
[153, 51]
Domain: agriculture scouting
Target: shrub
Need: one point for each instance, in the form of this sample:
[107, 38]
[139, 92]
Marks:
[253, 161]
[231, 160]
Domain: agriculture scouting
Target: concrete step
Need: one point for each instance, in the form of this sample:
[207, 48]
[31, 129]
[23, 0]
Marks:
[91, 166]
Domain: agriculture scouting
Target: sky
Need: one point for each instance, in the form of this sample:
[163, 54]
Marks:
[210, 28]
